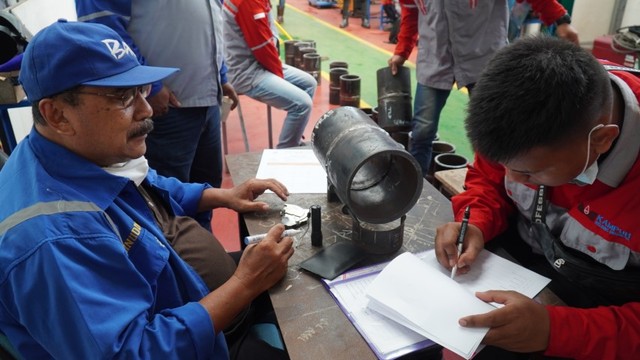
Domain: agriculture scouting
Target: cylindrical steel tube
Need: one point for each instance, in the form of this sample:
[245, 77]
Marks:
[394, 99]
[449, 161]
[301, 53]
[296, 52]
[289, 51]
[311, 63]
[338, 64]
[374, 176]
[334, 84]
[350, 90]
[437, 148]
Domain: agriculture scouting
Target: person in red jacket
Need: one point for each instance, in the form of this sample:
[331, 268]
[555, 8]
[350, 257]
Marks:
[556, 139]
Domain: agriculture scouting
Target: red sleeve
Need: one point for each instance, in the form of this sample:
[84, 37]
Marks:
[408, 34]
[548, 10]
[253, 20]
[602, 333]
[486, 194]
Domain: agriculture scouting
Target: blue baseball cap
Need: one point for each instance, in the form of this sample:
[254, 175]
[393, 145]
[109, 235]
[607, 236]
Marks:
[67, 54]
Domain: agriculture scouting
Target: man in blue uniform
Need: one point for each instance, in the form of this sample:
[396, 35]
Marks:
[88, 232]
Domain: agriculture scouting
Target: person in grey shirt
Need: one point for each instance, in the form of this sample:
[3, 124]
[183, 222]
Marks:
[186, 140]
[457, 38]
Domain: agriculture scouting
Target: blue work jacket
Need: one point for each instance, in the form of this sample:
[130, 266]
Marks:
[86, 273]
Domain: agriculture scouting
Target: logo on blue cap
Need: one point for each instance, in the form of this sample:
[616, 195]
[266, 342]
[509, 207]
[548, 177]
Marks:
[118, 49]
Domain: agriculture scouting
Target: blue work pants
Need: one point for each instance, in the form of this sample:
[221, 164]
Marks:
[186, 144]
[427, 107]
[293, 94]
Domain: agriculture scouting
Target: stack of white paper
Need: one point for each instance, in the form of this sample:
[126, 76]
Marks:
[420, 295]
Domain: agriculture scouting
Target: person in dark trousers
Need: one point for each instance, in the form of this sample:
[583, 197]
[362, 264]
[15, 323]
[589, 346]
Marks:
[389, 9]
[364, 8]
[456, 39]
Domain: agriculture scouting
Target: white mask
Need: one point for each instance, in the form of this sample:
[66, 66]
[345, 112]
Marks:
[135, 170]
[587, 176]
[589, 173]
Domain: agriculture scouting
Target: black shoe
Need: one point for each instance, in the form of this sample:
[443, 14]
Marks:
[344, 23]
[365, 24]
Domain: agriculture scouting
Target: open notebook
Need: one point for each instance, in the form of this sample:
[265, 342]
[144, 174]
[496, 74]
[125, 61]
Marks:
[420, 295]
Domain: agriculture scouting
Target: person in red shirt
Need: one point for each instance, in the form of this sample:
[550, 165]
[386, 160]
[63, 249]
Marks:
[255, 68]
[556, 139]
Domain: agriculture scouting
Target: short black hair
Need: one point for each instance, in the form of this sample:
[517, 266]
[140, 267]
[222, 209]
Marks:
[538, 91]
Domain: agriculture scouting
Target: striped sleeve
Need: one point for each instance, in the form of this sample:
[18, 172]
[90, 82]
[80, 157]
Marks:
[253, 19]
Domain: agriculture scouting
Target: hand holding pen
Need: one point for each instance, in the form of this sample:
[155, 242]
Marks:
[461, 235]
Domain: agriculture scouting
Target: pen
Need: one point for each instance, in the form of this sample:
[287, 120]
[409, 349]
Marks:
[257, 238]
[463, 231]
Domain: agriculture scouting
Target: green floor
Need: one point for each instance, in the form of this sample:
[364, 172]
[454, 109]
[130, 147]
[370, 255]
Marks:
[364, 60]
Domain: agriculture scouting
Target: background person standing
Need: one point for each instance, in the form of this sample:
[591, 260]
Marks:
[456, 39]
[186, 141]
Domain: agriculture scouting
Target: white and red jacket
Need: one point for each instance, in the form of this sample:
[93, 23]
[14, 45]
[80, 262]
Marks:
[600, 220]
[458, 37]
[250, 42]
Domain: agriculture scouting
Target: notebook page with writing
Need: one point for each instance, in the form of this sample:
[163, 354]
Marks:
[425, 300]
[493, 272]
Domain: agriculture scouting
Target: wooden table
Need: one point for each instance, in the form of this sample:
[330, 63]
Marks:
[312, 324]
[451, 182]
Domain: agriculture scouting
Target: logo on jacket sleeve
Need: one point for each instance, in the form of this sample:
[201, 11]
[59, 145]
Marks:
[118, 49]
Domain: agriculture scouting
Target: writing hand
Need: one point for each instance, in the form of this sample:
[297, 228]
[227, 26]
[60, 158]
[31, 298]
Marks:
[521, 325]
[261, 266]
[447, 251]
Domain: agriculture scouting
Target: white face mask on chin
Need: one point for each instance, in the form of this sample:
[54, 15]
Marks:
[135, 170]
[589, 173]
[588, 176]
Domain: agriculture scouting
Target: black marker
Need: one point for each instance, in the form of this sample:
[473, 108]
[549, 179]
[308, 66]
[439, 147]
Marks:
[316, 227]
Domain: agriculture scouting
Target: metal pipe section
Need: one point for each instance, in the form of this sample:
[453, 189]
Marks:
[394, 99]
[373, 175]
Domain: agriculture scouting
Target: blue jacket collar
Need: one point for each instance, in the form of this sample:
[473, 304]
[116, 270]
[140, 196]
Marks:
[75, 171]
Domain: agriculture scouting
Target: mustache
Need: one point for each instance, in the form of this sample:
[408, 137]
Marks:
[146, 126]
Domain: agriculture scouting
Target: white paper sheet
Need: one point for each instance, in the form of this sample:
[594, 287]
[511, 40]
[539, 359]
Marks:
[298, 169]
[419, 294]
[428, 302]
